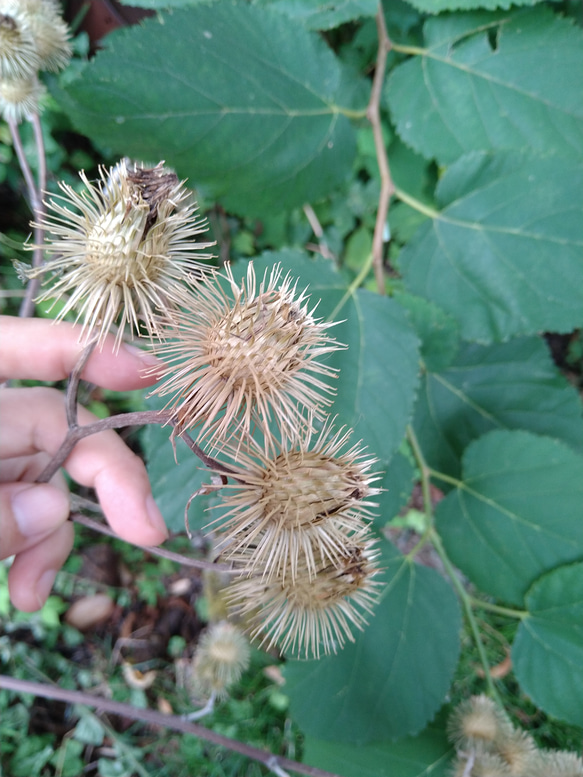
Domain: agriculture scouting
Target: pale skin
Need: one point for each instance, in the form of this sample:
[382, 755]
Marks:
[33, 517]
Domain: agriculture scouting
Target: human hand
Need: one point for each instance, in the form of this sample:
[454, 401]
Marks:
[33, 517]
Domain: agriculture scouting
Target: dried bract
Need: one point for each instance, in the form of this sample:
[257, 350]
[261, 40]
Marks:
[311, 614]
[19, 57]
[122, 249]
[20, 98]
[221, 656]
[49, 31]
[246, 359]
[296, 509]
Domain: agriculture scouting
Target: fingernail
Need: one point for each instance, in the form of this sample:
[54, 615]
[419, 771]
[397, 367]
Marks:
[39, 508]
[155, 516]
[44, 585]
[148, 359]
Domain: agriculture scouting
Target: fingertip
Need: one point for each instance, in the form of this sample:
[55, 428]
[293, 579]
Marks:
[33, 571]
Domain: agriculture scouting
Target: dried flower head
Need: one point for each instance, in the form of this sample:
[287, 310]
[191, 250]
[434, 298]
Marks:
[483, 765]
[247, 358]
[49, 31]
[19, 57]
[311, 613]
[122, 248]
[297, 508]
[20, 98]
[557, 763]
[221, 656]
[478, 722]
[517, 749]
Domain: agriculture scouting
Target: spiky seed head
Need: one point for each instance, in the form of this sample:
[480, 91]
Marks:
[19, 58]
[245, 357]
[20, 98]
[311, 614]
[296, 507]
[556, 763]
[484, 765]
[121, 248]
[49, 31]
[517, 749]
[221, 656]
[478, 722]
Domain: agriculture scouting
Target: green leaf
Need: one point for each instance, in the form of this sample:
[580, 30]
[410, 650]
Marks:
[517, 512]
[547, 654]
[491, 81]
[437, 330]
[175, 480]
[394, 678]
[322, 14]
[512, 385]
[398, 485]
[426, 755]
[251, 107]
[505, 253]
[437, 6]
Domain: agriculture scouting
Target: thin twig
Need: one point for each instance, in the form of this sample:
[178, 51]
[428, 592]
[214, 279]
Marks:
[37, 207]
[76, 433]
[33, 194]
[432, 535]
[71, 407]
[319, 232]
[154, 718]
[198, 451]
[373, 114]
[195, 563]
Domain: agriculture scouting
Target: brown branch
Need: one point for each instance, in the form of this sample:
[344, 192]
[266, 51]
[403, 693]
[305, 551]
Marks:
[154, 718]
[71, 408]
[373, 114]
[195, 563]
[76, 433]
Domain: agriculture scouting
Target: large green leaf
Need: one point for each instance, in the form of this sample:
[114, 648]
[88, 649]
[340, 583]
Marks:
[437, 6]
[518, 512]
[547, 654]
[323, 14]
[246, 104]
[175, 478]
[464, 92]
[504, 255]
[393, 679]
[437, 330]
[426, 755]
[377, 384]
[512, 385]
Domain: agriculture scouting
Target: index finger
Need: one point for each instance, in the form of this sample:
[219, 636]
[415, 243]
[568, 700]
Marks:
[39, 349]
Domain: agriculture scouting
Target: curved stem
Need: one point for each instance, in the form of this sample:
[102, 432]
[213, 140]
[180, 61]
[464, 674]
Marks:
[433, 536]
[426, 491]
[465, 598]
[137, 418]
[37, 206]
[33, 193]
[373, 114]
[185, 561]
[497, 609]
[417, 205]
[445, 478]
[356, 284]
[155, 718]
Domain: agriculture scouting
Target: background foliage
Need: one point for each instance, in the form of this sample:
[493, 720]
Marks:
[447, 376]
